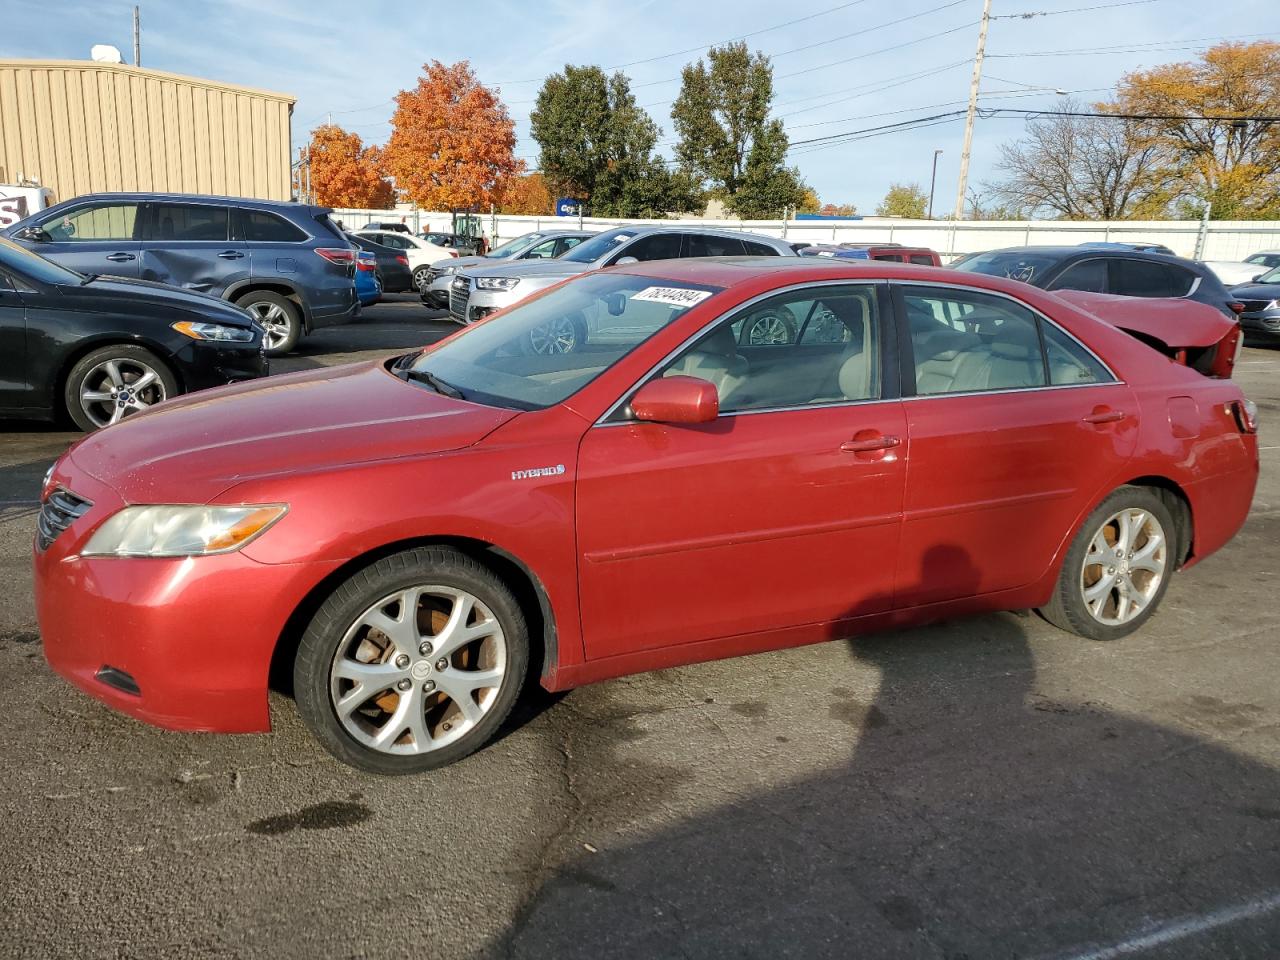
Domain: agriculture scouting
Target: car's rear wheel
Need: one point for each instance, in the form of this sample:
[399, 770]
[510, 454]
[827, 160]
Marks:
[421, 278]
[1118, 567]
[412, 663]
[280, 319]
[770, 327]
[115, 382]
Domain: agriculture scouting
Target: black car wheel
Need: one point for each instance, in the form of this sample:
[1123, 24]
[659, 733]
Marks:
[280, 319]
[115, 382]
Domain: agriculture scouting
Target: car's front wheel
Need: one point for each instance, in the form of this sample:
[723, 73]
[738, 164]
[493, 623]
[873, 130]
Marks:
[421, 278]
[280, 318]
[412, 663]
[1118, 567]
[770, 327]
[115, 382]
[561, 335]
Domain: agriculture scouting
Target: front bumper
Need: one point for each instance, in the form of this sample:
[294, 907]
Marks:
[210, 363]
[1263, 325]
[192, 636]
[467, 304]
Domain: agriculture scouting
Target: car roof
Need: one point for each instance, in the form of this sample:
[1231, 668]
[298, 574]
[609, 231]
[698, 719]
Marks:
[200, 197]
[677, 227]
[731, 271]
[1081, 252]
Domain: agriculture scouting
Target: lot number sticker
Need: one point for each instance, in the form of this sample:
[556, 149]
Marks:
[674, 296]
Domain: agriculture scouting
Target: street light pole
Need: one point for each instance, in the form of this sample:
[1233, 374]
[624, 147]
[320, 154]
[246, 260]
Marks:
[933, 180]
[973, 107]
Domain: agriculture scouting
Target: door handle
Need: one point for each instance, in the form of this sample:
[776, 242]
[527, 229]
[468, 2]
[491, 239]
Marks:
[120, 257]
[231, 255]
[869, 443]
[1105, 415]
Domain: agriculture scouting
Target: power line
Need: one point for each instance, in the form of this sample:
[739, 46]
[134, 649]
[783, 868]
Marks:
[1154, 46]
[863, 56]
[1053, 13]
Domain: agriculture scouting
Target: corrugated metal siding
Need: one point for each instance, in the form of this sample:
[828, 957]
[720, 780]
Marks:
[83, 127]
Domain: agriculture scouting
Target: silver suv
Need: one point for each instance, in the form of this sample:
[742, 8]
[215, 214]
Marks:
[478, 291]
[539, 245]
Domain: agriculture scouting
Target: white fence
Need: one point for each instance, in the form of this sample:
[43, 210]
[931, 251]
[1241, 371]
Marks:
[1221, 240]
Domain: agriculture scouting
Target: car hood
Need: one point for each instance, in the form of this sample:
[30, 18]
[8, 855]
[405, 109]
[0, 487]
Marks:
[1256, 291]
[193, 448]
[526, 268]
[110, 293]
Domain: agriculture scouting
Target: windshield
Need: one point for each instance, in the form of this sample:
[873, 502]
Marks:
[543, 350]
[35, 267]
[512, 247]
[592, 250]
[1271, 276]
[1016, 265]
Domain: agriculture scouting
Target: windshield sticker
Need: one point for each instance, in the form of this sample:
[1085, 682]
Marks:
[622, 236]
[674, 296]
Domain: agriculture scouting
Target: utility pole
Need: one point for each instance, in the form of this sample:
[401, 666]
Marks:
[137, 37]
[933, 180]
[973, 107]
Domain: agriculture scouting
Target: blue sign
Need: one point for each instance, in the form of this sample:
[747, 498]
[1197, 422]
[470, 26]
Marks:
[567, 207]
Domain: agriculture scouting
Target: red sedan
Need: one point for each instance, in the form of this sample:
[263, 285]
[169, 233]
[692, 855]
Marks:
[411, 537]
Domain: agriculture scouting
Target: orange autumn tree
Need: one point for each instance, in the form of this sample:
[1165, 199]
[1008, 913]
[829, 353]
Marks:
[344, 172]
[526, 195]
[452, 142]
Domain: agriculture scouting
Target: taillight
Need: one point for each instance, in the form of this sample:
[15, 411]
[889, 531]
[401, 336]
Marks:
[1246, 414]
[453, 253]
[338, 255]
[366, 266]
[1235, 306]
[402, 259]
[1226, 353]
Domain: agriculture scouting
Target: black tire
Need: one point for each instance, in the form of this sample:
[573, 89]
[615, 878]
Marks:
[778, 319]
[131, 361]
[280, 315]
[437, 566]
[421, 278]
[1067, 609]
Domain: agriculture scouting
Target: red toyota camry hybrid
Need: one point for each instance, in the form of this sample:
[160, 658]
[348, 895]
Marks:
[654, 483]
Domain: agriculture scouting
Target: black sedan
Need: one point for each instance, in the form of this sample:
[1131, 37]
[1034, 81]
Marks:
[99, 349]
[1261, 299]
[393, 265]
[1125, 272]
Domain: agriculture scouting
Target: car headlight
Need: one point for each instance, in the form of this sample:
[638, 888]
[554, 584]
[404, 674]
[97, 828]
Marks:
[444, 270]
[496, 283]
[213, 331]
[181, 531]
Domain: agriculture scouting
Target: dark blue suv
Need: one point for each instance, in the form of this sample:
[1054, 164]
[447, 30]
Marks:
[286, 263]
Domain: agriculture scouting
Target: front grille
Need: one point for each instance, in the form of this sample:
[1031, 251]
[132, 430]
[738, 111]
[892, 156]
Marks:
[1256, 306]
[459, 295]
[61, 509]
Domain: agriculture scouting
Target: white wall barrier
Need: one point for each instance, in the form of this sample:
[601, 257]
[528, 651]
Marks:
[1215, 240]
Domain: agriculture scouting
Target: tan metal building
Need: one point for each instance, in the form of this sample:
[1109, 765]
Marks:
[85, 127]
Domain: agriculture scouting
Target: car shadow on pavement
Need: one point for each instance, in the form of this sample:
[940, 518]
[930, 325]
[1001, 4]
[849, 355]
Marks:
[974, 817]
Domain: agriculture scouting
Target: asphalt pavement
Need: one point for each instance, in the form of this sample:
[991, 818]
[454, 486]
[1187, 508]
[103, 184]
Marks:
[986, 788]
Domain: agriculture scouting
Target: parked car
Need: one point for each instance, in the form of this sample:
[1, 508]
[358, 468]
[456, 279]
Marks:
[286, 263]
[393, 226]
[393, 264]
[477, 292]
[1261, 299]
[100, 349]
[420, 253]
[893, 252]
[1140, 246]
[368, 286]
[1268, 258]
[539, 245]
[1128, 273]
[461, 244]
[1232, 272]
[949, 443]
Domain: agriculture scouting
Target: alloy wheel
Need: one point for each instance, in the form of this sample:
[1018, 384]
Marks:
[558, 336]
[768, 330]
[275, 322]
[117, 388]
[422, 278]
[418, 670]
[1126, 563]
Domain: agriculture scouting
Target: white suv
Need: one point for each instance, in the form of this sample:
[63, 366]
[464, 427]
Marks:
[421, 253]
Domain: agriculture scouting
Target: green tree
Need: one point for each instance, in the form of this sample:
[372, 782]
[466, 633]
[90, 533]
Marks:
[598, 146]
[727, 140]
[904, 200]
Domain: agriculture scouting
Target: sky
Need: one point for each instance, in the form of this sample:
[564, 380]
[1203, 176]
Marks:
[838, 66]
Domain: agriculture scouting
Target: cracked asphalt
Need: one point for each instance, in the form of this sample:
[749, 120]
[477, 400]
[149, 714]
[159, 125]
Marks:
[985, 788]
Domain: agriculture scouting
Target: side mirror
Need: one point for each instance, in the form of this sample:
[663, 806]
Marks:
[32, 235]
[676, 400]
[623, 261]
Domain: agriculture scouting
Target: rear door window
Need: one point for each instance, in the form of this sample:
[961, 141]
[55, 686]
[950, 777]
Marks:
[707, 245]
[655, 246]
[1144, 278]
[186, 222]
[1088, 275]
[923, 259]
[756, 249]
